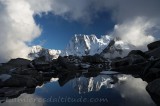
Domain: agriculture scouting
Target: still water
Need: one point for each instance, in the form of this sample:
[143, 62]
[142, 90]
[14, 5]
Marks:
[103, 89]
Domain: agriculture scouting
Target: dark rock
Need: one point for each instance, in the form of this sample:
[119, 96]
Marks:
[41, 64]
[19, 62]
[40, 60]
[28, 71]
[93, 59]
[107, 49]
[138, 52]
[154, 53]
[19, 81]
[130, 60]
[152, 74]
[153, 45]
[48, 74]
[96, 67]
[65, 77]
[13, 64]
[117, 58]
[133, 64]
[71, 64]
[154, 90]
[156, 64]
[14, 92]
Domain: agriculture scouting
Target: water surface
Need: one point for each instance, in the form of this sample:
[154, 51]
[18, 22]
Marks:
[84, 90]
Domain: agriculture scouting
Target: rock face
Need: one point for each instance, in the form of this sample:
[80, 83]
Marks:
[19, 81]
[81, 45]
[152, 73]
[153, 45]
[19, 62]
[84, 45]
[155, 53]
[41, 64]
[154, 90]
[70, 63]
[138, 52]
[128, 62]
[13, 92]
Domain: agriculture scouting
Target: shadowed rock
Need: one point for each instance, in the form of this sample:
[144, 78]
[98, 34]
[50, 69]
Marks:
[153, 45]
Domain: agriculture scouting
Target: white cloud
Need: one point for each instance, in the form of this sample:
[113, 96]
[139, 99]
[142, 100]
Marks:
[17, 27]
[135, 32]
[17, 24]
[134, 88]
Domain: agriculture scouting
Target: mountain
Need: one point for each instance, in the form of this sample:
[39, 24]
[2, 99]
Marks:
[116, 48]
[85, 85]
[82, 45]
[38, 51]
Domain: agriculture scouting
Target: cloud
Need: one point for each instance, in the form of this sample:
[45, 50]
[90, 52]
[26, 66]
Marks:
[134, 88]
[86, 10]
[135, 18]
[135, 32]
[18, 27]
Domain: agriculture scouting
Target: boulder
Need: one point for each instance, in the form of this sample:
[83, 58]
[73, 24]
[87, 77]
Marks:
[27, 71]
[152, 74]
[93, 59]
[129, 60]
[41, 64]
[19, 81]
[156, 64]
[13, 64]
[14, 92]
[154, 53]
[153, 45]
[19, 62]
[96, 67]
[70, 64]
[133, 64]
[138, 52]
[154, 90]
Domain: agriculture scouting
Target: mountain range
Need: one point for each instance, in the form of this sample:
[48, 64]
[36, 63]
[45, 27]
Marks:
[82, 45]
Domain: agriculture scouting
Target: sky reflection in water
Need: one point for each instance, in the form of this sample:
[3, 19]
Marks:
[103, 90]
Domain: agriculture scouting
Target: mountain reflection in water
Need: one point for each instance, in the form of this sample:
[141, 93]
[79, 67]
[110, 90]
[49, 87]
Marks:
[115, 89]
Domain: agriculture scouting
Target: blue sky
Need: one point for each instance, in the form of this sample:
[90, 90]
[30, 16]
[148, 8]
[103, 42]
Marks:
[20, 21]
[57, 31]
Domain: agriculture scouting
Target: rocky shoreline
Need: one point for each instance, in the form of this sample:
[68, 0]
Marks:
[23, 76]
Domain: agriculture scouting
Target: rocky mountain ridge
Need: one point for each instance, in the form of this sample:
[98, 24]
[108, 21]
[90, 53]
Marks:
[83, 45]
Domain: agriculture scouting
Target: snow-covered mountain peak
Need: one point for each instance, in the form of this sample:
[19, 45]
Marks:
[86, 45]
[38, 51]
[82, 45]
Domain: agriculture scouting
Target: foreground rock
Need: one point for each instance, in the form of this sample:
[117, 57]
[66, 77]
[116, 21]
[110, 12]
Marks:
[13, 92]
[19, 81]
[153, 45]
[155, 53]
[131, 63]
[41, 64]
[154, 90]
